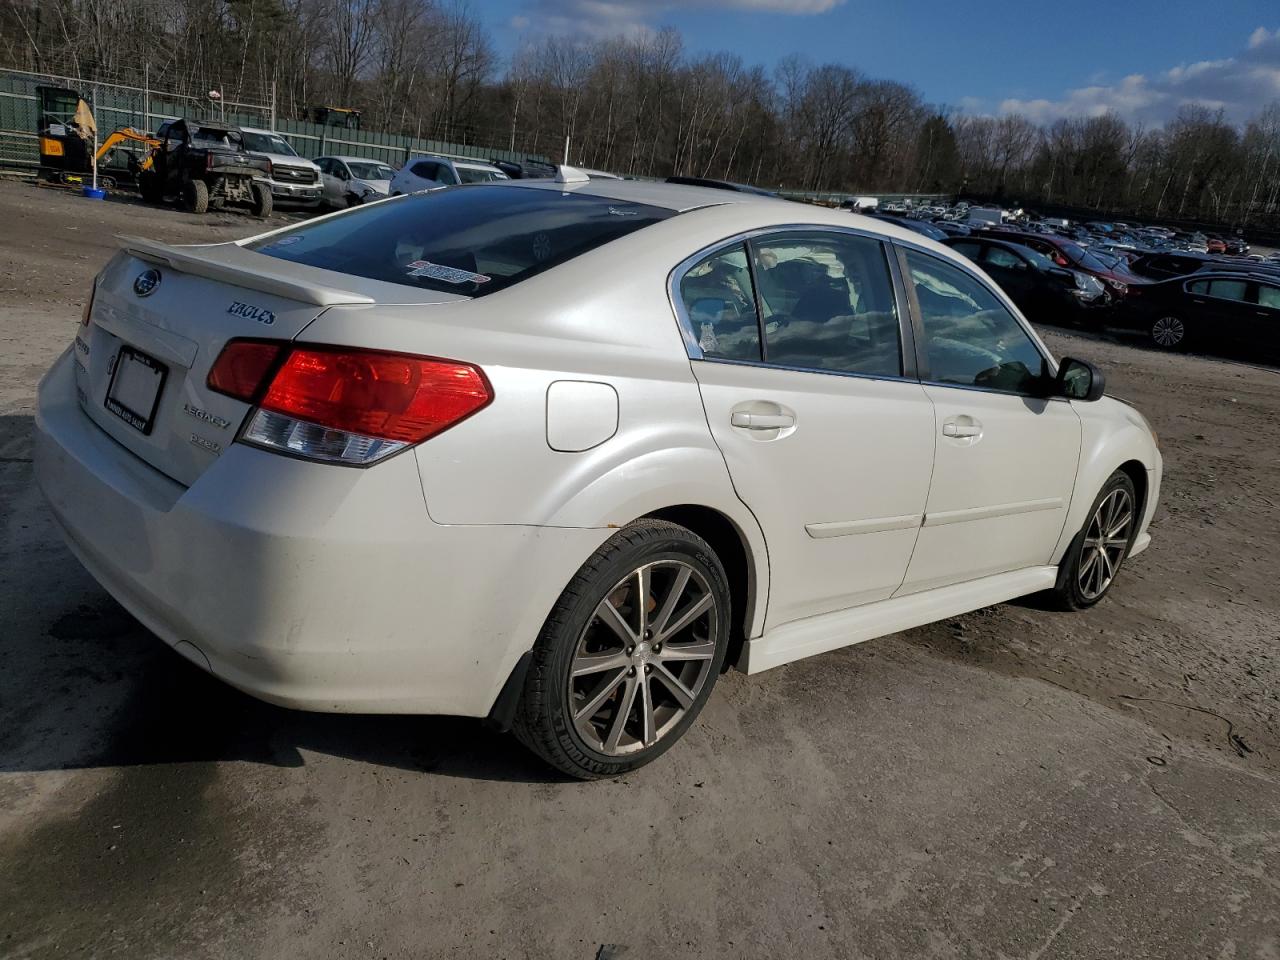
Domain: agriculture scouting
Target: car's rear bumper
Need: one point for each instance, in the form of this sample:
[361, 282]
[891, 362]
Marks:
[311, 586]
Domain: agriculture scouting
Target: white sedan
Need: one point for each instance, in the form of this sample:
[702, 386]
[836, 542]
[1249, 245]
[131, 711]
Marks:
[556, 453]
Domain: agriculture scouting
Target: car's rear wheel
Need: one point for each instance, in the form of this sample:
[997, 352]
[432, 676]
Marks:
[1169, 333]
[195, 196]
[1093, 560]
[629, 654]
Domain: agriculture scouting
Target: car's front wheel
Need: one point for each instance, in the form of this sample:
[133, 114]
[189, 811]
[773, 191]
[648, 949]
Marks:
[629, 654]
[1169, 333]
[1094, 558]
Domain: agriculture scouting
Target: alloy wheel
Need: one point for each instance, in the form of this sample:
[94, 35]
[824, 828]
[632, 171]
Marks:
[1168, 331]
[643, 658]
[1105, 541]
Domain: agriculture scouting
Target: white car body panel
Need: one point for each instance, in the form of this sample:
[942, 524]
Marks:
[417, 584]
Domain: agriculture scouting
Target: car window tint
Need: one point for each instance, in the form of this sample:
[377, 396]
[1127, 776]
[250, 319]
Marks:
[1268, 296]
[473, 175]
[970, 338]
[1228, 289]
[1200, 287]
[828, 303]
[424, 169]
[472, 240]
[970, 250]
[1000, 257]
[720, 304]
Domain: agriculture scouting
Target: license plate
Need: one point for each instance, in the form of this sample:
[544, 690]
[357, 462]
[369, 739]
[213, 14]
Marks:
[134, 392]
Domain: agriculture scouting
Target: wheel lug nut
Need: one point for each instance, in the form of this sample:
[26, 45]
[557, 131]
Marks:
[657, 648]
[631, 671]
[630, 650]
[648, 634]
[648, 668]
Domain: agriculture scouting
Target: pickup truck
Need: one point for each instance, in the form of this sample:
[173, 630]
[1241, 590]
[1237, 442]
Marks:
[205, 167]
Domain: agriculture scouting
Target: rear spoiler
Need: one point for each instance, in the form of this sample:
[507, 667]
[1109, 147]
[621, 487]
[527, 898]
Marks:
[231, 263]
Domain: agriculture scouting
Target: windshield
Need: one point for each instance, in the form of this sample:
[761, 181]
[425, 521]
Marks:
[268, 143]
[1038, 259]
[478, 174]
[469, 240]
[363, 170]
[212, 137]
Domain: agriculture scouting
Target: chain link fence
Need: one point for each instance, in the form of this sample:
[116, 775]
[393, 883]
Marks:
[118, 105]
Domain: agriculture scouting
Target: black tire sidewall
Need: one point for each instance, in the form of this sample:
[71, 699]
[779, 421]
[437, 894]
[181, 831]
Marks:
[1068, 587]
[573, 612]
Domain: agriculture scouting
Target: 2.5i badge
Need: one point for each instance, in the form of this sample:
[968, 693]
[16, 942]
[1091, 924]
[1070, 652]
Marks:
[250, 312]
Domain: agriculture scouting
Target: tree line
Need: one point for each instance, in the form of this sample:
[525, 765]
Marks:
[647, 106]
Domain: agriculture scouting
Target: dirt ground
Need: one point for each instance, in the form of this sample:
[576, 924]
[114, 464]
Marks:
[1011, 783]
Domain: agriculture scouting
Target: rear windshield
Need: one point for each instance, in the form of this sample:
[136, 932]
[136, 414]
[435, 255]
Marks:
[471, 240]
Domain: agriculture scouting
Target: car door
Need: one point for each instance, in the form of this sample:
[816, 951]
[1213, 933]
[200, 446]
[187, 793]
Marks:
[1267, 310]
[1220, 310]
[828, 437]
[1005, 458]
[328, 191]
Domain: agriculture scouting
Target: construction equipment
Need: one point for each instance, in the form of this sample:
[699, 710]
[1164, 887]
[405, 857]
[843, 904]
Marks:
[67, 133]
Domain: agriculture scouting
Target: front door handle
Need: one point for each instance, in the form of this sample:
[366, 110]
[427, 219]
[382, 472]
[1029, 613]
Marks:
[962, 428]
[762, 421]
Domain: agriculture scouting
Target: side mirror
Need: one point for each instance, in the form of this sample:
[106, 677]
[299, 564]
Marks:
[1079, 380]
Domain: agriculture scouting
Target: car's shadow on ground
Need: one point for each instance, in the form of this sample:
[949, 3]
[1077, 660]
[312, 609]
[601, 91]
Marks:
[157, 708]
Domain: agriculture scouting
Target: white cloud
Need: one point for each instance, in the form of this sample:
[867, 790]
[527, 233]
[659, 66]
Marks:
[604, 18]
[1239, 85]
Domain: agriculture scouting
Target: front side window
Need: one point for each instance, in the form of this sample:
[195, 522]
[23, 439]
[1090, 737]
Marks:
[720, 305]
[827, 303]
[370, 170]
[1268, 296]
[970, 337]
[468, 240]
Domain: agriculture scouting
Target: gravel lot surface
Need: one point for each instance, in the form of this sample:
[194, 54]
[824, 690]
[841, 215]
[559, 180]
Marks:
[1011, 783]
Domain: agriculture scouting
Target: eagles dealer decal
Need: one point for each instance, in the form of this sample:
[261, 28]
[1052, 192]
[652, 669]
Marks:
[250, 312]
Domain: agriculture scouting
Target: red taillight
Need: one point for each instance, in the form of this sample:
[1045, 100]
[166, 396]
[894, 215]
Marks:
[346, 405]
[391, 396]
[241, 369]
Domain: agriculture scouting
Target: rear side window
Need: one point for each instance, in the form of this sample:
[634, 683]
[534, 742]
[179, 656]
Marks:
[474, 175]
[425, 169]
[970, 250]
[828, 303]
[719, 300]
[1228, 289]
[1269, 296]
[472, 240]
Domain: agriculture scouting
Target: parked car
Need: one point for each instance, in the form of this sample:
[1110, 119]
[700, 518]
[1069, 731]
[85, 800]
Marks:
[351, 181]
[1067, 253]
[428, 173]
[293, 179]
[205, 166]
[1045, 292]
[558, 456]
[1162, 266]
[1210, 310]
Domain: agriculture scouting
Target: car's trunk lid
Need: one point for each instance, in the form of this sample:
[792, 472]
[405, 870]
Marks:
[162, 314]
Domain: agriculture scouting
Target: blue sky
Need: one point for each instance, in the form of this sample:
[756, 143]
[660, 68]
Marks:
[1046, 58]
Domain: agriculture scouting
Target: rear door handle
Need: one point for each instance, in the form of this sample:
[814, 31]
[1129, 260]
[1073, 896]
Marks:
[762, 421]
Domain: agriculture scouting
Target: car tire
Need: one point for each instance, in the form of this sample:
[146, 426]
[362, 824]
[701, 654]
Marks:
[615, 681]
[195, 196]
[351, 200]
[1168, 333]
[262, 201]
[1093, 560]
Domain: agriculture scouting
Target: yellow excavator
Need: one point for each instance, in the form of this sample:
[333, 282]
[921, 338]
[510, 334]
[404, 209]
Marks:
[67, 154]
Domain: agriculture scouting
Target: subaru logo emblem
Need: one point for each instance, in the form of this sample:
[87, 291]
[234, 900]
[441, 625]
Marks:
[146, 282]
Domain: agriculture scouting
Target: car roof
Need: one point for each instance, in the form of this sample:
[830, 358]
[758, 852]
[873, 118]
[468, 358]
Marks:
[671, 196]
